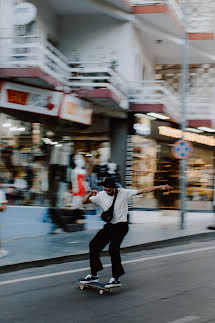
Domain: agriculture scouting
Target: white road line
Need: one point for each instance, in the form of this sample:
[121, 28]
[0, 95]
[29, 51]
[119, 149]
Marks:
[12, 281]
[186, 319]
[169, 255]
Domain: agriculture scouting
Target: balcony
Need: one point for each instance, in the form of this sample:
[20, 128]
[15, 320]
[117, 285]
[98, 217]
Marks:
[99, 83]
[200, 14]
[155, 96]
[31, 56]
[158, 96]
[27, 58]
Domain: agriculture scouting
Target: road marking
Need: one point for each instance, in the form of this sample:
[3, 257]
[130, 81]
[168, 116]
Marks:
[12, 281]
[186, 319]
[169, 255]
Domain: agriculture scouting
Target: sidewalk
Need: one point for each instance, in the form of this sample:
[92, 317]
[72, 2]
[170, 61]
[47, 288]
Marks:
[156, 231]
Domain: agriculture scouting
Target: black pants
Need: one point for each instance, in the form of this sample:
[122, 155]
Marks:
[113, 234]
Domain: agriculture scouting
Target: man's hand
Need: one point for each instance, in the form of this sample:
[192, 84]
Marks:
[165, 188]
[93, 193]
[86, 199]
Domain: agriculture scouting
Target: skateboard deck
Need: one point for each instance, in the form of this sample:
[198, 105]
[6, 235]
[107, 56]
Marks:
[100, 287]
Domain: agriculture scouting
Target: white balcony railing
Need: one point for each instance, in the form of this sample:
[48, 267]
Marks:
[200, 108]
[32, 51]
[159, 92]
[156, 92]
[92, 75]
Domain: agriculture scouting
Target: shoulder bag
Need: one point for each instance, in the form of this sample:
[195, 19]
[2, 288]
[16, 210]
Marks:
[108, 215]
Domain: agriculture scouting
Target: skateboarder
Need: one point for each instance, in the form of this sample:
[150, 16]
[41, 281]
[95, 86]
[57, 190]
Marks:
[113, 232]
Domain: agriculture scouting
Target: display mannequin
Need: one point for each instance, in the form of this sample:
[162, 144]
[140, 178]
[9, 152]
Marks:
[112, 170]
[101, 169]
[79, 183]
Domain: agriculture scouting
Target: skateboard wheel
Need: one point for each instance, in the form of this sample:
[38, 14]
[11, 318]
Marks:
[101, 291]
[81, 287]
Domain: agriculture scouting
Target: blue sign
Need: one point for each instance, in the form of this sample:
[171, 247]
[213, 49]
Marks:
[182, 149]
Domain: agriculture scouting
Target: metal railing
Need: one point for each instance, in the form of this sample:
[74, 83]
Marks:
[33, 51]
[94, 75]
[200, 108]
[160, 92]
[156, 92]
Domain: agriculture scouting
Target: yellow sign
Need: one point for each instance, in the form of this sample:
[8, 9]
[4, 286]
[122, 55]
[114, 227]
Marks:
[194, 137]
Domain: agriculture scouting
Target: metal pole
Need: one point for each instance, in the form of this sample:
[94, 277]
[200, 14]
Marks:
[184, 92]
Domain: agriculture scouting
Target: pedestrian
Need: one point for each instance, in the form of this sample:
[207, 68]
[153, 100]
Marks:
[114, 231]
[3, 202]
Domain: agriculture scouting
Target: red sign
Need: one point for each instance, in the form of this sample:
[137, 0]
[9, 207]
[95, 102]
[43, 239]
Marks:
[30, 99]
[17, 97]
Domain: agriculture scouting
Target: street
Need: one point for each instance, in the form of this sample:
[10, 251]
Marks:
[170, 285]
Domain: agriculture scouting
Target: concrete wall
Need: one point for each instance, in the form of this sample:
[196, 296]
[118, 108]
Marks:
[46, 22]
[102, 38]
[119, 132]
[141, 64]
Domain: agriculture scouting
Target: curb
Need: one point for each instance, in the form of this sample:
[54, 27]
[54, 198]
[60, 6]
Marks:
[205, 236]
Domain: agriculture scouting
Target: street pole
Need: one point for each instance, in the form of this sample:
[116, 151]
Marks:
[184, 93]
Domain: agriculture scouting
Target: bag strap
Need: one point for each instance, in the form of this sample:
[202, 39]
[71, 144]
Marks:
[112, 206]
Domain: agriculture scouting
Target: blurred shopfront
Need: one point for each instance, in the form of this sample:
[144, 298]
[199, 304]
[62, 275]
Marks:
[154, 164]
[46, 139]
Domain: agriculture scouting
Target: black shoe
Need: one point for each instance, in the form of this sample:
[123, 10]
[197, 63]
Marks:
[113, 283]
[89, 279]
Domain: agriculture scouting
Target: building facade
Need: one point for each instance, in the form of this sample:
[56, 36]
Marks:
[72, 76]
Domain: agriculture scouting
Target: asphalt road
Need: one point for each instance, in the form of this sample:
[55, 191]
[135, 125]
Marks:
[169, 285]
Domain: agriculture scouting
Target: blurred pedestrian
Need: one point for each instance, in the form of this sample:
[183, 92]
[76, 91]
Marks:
[115, 200]
[3, 202]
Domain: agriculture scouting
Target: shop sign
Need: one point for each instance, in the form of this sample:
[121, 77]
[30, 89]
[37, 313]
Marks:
[25, 13]
[76, 110]
[182, 149]
[30, 99]
[142, 125]
[194, 137]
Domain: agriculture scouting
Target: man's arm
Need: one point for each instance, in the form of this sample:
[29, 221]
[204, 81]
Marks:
[86, 199]
[2, 207]
[165, 188]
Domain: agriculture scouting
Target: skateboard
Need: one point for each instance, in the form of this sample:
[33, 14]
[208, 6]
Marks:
[100, 287]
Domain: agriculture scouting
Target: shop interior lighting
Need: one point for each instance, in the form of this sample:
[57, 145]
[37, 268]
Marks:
[177, 133]
[194, 130]
[206, 129]
[58, 145]
[46, 140]
[54, 143]
[13, 129]
[21, 129]
[6, 125]
[157, 115]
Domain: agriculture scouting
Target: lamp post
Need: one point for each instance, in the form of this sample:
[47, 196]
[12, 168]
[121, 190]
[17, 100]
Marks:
[184, 94]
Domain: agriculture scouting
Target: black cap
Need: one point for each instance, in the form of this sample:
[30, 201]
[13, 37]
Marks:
[109, 183]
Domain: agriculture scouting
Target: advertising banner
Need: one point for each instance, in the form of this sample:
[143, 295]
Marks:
[76, 110]
[30, 99]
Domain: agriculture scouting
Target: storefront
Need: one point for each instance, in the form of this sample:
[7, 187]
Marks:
[48, 139]
[154, 164]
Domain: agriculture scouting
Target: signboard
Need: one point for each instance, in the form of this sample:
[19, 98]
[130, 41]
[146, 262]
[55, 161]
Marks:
[30, 99]
[25, 13]
[142, 125]
[74, 109]
[182, 149]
